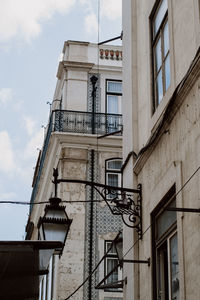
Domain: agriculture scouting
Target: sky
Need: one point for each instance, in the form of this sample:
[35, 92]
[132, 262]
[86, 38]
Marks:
[32, 35]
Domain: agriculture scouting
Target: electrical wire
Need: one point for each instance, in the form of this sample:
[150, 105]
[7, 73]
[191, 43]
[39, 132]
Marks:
[144, 232]
[175, 195]
[46, 202]
[96, 267]
[83, 201]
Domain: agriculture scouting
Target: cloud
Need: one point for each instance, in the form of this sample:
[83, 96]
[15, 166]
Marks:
[5, 95]
[7, 196]
[87, 4]
[6, 153]
[112, 9]
[91, 24]
[34, 143]
[18, 105]
[29, 125]
[23, 18]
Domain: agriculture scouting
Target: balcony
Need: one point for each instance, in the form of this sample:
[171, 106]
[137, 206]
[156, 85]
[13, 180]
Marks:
[77, 122]
[86, 122]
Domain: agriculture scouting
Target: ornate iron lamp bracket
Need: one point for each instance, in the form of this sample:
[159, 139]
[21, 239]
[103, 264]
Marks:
[121, 201]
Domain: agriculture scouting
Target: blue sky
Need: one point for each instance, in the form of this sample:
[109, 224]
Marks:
[32, 34]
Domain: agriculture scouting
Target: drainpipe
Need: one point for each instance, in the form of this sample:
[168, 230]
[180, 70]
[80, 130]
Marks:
[93, 81]
[91, 227]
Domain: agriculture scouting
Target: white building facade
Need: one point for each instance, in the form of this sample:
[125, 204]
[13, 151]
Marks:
[161, 146]
[81, 142]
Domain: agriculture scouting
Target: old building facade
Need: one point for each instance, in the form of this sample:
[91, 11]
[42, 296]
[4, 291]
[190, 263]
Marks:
[161, 146]
[80, 142]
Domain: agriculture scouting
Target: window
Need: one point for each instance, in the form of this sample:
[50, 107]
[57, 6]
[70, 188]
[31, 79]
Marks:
[47, 282]
[111, 261]
[160, 52]
[165, 253]
[113, 174]
[113, 104]
[113, 96]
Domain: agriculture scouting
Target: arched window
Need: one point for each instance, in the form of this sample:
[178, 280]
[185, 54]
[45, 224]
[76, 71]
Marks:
[113, 173]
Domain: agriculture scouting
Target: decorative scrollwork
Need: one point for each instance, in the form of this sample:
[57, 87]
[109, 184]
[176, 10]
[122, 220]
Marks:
[126, 204]
[121, 201]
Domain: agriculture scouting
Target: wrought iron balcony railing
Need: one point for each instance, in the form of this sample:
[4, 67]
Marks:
[86, 122]
[77, 122]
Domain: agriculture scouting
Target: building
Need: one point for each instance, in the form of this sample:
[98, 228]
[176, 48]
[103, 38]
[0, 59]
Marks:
[84, 141]
[161, 146]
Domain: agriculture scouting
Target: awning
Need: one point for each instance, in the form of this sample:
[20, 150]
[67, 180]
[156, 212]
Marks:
[21, 264]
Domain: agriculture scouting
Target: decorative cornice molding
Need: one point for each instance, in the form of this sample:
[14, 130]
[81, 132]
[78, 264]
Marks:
[88, 141]
[73, 65]
[79, 43]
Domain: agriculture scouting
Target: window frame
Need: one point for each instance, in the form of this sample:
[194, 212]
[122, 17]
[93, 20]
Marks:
[46, 287]
[113, 171]
[158, 244]
[111, 255]
[107, 93]
[153, 41]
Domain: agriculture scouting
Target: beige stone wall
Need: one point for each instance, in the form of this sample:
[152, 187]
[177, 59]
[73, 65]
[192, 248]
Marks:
[174, 159]
[137, 79]
[175, 155]
[73, 165]
[69, 152]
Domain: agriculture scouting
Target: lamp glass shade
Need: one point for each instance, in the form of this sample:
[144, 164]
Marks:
[119, 247]
[56, 213]
[55, 231]
[55, 224]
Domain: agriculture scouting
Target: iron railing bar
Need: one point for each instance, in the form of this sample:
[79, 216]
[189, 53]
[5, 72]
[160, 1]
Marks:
[85, 112]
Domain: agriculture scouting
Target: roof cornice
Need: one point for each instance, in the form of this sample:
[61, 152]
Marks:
[73, 65]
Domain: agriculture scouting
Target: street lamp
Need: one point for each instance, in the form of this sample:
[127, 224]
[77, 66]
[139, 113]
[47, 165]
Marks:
[55, 224]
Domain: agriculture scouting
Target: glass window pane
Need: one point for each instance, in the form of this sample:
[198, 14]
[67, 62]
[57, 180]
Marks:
[166, 39]
[111, 263]
[158, 55]
[113, 179]
[114, 87]
[167, 73]
[49, 277]
[112, 250]
[165, 220]
[162, 272]
[160, 15]
[112, 104]
[119, 104]
[114, 164]
[159, 86]
[174, 264]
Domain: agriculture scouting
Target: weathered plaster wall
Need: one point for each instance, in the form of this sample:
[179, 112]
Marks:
[178, 148]
[71, 152]
[137, 76]
[73, 165]
[176, 155]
